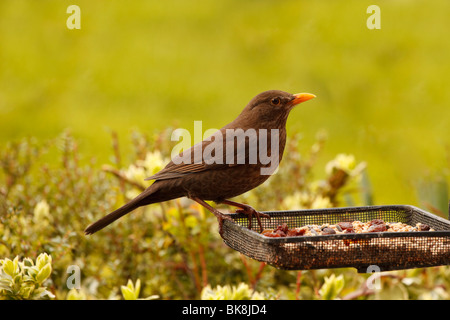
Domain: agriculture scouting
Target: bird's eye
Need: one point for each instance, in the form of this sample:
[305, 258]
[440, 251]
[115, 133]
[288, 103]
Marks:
[276, 101]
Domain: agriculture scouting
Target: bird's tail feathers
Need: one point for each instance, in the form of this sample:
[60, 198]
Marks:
[151, 195]
[113, 216]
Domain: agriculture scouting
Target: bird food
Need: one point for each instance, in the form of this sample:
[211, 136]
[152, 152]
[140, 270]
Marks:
[388, 237]
[376, 225]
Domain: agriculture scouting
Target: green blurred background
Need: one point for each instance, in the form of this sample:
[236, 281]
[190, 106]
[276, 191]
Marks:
[382, 95]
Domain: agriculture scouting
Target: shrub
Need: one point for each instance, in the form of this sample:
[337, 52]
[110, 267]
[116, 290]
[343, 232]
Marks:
[49, 193]
[20, 280]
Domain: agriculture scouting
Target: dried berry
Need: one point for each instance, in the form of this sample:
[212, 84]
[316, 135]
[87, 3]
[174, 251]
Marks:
[424, 227]
[283, 227]
[376, 222]
[345, 225]
[272, 235]
[266, 231]
[280, 232]
[296, 232]
[377, 228]
[328, 231]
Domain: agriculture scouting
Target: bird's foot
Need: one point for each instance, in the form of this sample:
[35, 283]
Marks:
[251, 212]
[220, 218]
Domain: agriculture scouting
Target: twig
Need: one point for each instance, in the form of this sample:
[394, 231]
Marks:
[258, 274]
[365, 290]
[117, 157]
[188, 247]
[247, 267]
[122, 177]
[201, 254]
[116, 149]
[433, 209]
[297, 284]
[253, 279]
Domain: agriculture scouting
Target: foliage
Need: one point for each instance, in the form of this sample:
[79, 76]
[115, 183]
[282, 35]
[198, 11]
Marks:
[172, 249]
[227, 292]
[131, 291]
[20, 280]
[332, 287]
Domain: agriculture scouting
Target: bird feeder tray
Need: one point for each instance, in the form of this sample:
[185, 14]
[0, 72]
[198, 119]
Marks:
[367, 252]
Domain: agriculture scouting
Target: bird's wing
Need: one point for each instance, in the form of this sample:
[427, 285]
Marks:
[172, 170]
[187, 162]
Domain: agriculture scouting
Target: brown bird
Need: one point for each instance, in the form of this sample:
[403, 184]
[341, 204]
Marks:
[237, 158]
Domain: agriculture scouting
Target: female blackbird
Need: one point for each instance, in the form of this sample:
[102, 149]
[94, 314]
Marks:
[219, 168]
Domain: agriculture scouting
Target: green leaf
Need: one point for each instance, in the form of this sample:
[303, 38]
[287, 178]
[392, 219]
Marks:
[8, 267]
[26, 291]
[332, 287]
[18, 279]
[27, 262]
[42, 293]
[130, 291]
[44, 273]
[393, 292]
[43, 259]
[137, 288]
[32, 271]
[76, 295]
[241, 292]
[128, 294]
[191, 221]
[5, 285]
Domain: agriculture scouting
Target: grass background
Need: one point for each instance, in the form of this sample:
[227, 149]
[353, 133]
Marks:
[382, 95]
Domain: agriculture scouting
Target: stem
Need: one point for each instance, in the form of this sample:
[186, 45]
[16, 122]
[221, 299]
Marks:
[188, 240]
[297, 285]
[123, 178]
[253, 279]
[247, 268]
[201, 254]
[364, 290]
[258, 274]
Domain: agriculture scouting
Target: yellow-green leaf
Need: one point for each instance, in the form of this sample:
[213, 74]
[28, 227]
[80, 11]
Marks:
[44, 273]
[128, 294]
[8, 267]
[43, 259]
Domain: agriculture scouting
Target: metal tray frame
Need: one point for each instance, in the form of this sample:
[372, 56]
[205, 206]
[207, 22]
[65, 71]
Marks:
[385, 250]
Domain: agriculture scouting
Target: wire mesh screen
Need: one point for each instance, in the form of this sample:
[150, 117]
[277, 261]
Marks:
[386, 250]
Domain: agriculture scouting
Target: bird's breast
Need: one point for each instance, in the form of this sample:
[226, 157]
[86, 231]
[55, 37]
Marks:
[245, 161]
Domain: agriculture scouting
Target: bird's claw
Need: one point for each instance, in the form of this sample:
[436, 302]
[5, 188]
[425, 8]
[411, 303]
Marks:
[220, 219]
[251, 212]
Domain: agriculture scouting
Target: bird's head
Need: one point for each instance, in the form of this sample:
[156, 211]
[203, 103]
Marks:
[273, 106]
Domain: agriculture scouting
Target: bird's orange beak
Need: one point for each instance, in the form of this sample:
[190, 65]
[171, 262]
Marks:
[301, 97]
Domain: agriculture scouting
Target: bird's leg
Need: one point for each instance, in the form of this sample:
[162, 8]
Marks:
[249, 211]
[219, 215]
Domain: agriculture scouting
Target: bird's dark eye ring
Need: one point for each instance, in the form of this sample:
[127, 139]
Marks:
[275, 101]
